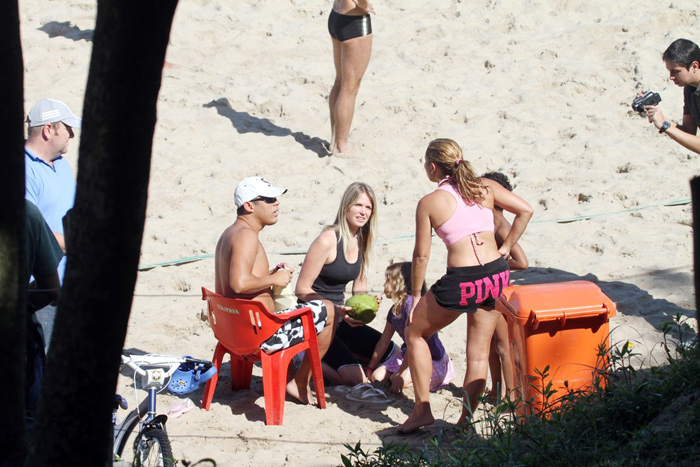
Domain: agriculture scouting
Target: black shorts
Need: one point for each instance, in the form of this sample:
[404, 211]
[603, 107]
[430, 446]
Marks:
[468, 288]
[354, 346]
[344, 27]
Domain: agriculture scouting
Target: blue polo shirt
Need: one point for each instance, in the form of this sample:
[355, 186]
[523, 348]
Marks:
[52, 189]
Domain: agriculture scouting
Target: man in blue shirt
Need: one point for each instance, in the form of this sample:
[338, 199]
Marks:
[50, 183]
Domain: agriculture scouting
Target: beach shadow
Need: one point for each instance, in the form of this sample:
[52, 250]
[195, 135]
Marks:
[241, 402]
[243, 122]
[374, 412]
[456, 391]
[439, 432]
[65, 29]
[247, 402]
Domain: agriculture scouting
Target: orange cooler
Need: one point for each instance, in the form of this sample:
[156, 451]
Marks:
[561, 325]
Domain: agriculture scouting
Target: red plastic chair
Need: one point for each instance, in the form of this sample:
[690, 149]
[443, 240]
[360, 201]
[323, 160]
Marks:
[240, 327]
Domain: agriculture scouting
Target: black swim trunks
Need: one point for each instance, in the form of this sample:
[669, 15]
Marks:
[468, 288]
[344, 27]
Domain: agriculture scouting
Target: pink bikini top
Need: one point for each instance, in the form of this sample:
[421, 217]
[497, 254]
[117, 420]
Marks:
[466, 220]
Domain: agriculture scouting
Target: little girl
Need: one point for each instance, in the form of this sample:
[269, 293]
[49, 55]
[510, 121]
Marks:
[395, 369]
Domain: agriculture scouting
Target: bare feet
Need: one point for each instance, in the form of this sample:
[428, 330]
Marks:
[420, 417]
[345, 155]
[300, 392]
[327, 147]
[493, 397]
[336, 149]
[464, 422]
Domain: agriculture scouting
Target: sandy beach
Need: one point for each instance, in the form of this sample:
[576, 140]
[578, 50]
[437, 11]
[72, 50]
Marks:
[538, 90]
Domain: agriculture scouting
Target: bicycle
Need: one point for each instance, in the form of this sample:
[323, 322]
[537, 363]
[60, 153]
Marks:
[152, 446]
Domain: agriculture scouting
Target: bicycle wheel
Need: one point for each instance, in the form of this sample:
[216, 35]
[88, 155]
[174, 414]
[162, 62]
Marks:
[123, 432]
[152, 449]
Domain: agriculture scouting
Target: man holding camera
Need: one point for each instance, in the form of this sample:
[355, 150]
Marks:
[682, 59]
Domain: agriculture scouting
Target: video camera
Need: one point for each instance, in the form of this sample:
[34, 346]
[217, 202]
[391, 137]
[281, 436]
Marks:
[648, 98]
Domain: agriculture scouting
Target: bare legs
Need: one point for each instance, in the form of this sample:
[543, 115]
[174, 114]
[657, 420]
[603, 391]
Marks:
[349, 375]
[428, 318]
[299, 387]
[480, 328]
[350, 58]
[500, 361]
[496, 391]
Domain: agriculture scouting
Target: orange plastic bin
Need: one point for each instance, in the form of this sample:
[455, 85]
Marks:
[561, 325]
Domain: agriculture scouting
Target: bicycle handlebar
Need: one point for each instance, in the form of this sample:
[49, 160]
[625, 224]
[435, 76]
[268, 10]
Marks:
[166, 362]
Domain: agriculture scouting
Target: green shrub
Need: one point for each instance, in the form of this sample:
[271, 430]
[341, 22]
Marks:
[639, 417]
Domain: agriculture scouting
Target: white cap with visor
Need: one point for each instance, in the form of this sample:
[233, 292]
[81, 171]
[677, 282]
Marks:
[253, 187]
[52, 111]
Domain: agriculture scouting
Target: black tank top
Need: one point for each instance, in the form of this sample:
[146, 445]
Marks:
[334, 277]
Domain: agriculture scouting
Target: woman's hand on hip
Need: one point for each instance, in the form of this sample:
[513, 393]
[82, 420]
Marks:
[504, 251]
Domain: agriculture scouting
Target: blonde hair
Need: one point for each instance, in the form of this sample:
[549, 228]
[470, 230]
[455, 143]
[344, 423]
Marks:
[365, 236]
[447, 155]
[397, 285]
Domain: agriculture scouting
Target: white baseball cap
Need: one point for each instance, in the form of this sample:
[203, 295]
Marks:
[52, 111]
[252, 187]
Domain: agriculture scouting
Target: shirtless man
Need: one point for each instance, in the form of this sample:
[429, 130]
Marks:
[500, 359]
[243, 270]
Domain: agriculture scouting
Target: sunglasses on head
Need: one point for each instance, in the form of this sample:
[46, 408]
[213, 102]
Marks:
[265, 199]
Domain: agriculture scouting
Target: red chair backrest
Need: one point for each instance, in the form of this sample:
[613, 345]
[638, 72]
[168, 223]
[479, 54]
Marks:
[240, 325]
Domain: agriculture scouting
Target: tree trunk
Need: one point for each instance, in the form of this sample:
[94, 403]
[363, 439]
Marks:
[695, 197]
[104, 241]
[12, 239]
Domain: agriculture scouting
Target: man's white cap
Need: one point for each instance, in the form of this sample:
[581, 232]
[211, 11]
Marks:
[52, 111]
[252, 187]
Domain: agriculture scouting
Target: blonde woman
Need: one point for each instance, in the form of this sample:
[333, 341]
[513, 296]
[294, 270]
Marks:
[338, 256]
[461, 213]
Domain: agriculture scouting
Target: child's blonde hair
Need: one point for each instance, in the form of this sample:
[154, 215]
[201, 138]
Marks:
[397, 285]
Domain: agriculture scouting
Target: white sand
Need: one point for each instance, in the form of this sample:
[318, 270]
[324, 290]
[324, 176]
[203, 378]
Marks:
[539, 90]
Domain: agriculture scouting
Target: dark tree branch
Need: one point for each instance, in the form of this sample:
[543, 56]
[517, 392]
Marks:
[12, 238]
[695, 196]
[119, 116]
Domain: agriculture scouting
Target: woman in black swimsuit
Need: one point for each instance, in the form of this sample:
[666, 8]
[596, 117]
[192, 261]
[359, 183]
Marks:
[350, 27]
[339, 255]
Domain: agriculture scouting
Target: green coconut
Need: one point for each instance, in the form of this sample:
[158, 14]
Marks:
[364, 307]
